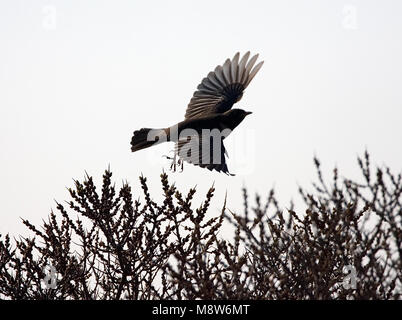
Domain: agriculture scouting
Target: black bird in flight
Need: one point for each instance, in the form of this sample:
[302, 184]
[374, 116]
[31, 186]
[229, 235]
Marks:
[209, 117]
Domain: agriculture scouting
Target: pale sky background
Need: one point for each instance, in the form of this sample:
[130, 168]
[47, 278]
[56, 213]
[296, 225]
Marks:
[78, 77]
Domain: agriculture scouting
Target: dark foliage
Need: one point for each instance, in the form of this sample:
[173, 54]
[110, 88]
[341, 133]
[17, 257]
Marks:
[105, 245]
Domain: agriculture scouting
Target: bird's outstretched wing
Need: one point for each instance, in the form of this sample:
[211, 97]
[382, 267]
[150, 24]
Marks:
[199, 151]
[223, 87]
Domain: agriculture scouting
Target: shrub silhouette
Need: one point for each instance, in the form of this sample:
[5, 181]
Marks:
[105, 245]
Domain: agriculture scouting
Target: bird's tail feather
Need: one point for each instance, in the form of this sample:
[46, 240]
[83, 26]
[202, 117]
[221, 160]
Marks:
[147, 137]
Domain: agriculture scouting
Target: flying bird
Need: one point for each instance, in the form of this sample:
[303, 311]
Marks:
[209, 117]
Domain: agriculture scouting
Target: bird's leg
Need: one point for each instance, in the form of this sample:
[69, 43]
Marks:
[174, 162]
[173, 165]
[181, 164]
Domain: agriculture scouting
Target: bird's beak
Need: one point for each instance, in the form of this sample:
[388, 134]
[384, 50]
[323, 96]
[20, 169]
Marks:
[248, 112]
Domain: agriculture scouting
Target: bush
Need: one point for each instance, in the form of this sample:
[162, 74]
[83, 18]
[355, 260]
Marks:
[347, 245]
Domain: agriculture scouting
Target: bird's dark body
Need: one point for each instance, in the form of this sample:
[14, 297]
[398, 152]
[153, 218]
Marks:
[210, 109]
[221, 121]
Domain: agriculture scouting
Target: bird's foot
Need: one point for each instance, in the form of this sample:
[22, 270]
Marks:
[181, 164]
[175, 163]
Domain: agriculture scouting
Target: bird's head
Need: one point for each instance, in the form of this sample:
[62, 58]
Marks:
[235, 116]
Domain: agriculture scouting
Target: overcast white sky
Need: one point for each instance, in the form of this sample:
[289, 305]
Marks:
[78, 77]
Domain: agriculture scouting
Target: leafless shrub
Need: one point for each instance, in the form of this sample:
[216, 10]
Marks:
[118, 248]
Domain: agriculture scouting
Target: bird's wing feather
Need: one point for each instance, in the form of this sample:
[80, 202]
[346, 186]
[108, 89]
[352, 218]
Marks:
[223, 87]
[203, 151]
